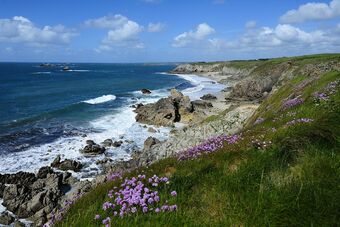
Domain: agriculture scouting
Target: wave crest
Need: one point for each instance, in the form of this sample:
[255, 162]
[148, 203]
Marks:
[101, 99]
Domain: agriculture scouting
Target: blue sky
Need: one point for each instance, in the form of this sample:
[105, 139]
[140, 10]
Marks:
[165, 30]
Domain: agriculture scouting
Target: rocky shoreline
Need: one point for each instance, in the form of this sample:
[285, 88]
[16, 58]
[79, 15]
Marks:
[37, 197]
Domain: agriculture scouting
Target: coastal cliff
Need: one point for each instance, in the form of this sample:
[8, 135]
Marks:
[254, 145]
[270, 156]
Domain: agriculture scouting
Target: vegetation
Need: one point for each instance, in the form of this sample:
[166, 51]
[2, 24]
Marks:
[284, 171]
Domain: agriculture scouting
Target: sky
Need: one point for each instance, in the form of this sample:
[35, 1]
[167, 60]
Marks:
[165, 30]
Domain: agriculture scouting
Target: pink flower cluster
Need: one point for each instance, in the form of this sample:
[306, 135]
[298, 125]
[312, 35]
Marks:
[329, 90]
[297, 121]
[291, 103]
[209, 146]
[114, 176]
[134, 195]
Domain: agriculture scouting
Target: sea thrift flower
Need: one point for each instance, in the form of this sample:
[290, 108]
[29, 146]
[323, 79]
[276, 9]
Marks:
[320, 96]
[157, 210]
[97, 217]
[106, 221]
[301, 120]
[174, 193]
[292, 102]
[209, 146]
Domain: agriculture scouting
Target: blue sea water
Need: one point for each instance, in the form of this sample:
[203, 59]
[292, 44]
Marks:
[45, 111]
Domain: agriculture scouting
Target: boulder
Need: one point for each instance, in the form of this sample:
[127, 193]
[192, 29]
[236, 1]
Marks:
[208, 97]
[67, 164]
[200, 104]
[152, 130]
[6, 218]
[107, 143]
[145, 91]
[90, 142]
[117, 143]
[165, 111]
[92, 148]
[149, 142]
[43, 171]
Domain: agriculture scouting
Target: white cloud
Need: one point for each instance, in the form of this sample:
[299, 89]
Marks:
[312, 11]
[156, 27]
[202, 31]
[250, 24]
[21, 29]
[122, 32]
[279, 39]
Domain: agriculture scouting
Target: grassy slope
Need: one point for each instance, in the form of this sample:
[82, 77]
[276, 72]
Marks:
[293, 182]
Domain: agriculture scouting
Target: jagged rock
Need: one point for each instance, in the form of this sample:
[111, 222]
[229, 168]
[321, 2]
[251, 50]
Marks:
[92, 148]
[18, 178]
[165, 111]
[56, 161]
[200, 104]
[6, 218]
[90, 142]
[19, 224]
[145, 91]
[117, 143]
[152, 130]
[176, 94]
[208, 97]
[43, 171]
[67, 164]
[108, 143]
[149, 142]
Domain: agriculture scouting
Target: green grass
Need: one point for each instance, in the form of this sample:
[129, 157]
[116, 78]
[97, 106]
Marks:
[293, 182]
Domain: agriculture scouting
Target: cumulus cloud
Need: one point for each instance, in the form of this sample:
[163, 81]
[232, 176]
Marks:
[312, 11]
[279, 39]
[156, 27]
[21, 29]
[202, 31]
[121, 32]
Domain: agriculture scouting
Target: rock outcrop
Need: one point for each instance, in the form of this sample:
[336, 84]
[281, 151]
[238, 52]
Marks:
[165, 111]
[145, 91]
[231, 122]
[66, 164]
[92, 148]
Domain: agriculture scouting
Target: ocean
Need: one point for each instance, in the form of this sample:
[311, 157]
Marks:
[45, 111]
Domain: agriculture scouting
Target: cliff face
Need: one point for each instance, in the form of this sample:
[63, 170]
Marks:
[253, 80]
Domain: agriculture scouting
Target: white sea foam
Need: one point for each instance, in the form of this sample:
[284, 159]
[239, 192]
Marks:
[39, 73]
[78, 70]
[201, 86]
[2, 208]
[101, 99]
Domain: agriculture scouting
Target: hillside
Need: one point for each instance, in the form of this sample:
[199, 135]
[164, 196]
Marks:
[281, 168]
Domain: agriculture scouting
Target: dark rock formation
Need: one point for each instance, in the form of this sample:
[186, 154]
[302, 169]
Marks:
[149, 142]
[165, 111]
[67, 164]
[92, 148]
[107, 143]
[145, 91]
[208, 97]
[200, 104]
[6, 218]
[117, 143]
